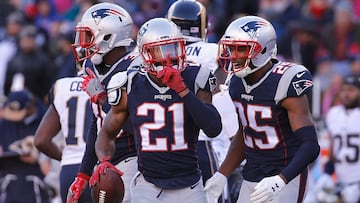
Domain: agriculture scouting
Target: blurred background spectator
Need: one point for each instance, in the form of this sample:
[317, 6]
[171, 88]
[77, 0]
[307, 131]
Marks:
[31, 61]
[20, 169]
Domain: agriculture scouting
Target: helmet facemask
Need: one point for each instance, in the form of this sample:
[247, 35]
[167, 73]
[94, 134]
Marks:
[84, 40]
[164, 54]
[253, 32]
[238, 54]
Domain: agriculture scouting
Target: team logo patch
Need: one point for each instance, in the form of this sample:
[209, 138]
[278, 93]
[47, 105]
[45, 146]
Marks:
[102, 13]
[301, 85]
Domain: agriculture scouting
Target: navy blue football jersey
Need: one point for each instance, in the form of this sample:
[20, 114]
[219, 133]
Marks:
[164, 131]
[269, 139]
[125, 143]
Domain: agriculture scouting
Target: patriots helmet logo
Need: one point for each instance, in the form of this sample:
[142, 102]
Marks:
[102, 13]
[253, 26]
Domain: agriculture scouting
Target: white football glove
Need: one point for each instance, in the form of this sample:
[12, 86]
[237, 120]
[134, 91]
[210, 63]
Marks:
[325, 182]
[214, 186]
[350, 193]
[267, 189]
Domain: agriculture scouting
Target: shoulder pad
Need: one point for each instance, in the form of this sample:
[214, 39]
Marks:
[114, 87]
[290, 79]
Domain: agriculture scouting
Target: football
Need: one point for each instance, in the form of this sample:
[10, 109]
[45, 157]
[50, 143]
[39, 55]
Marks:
[109, 189]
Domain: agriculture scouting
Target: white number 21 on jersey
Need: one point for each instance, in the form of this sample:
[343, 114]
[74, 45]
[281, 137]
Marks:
[159, 112]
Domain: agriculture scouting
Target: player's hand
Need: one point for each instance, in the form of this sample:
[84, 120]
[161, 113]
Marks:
[101, 169]
[172, 78]
[325, 182]
[214, 186]
[267, 189]
[77, 187]
[350, 193]
[93, 87]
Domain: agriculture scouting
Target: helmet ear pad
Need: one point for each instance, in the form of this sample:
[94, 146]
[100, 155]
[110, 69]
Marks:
[97, 59]
[265, 55]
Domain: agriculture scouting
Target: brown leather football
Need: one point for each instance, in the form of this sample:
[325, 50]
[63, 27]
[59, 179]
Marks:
[109, 189]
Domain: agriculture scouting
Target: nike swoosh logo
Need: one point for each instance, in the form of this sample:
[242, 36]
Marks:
[300, 74]
[127, 160]
[194, 186]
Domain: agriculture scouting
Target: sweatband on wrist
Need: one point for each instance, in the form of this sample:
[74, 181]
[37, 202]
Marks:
[83, 176]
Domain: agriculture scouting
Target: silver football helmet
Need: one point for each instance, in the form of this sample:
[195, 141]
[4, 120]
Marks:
[102, 27]
[161, 45]
[249, 43]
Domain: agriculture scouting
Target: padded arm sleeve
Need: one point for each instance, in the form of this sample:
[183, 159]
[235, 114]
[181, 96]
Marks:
[307, 153]
[204, 115]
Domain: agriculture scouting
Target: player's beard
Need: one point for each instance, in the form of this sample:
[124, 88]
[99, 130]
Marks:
[352, 104]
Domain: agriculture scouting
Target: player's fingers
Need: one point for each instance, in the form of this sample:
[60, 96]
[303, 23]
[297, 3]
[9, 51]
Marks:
[89, 72]
[93, 179]
[161, 73]
[208, 185]
[259, 200]
[259, 185]
[119, 172]
[258, 193]
[211, 199]
[167, 76]
[258, 196]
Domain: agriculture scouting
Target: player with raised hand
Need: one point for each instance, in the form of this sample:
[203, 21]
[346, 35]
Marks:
[103, 37]
[168, 103]
[277, 136]
[191, 17]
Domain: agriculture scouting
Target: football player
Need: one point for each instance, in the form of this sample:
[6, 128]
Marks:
[342, 124]
[168, 103]
[69, 113]
[277, 136]
[103, 36]
[191, 17]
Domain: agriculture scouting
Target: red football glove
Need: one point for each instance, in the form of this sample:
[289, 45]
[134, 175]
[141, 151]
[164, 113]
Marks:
[93, 87]
[77, 187]
[101, 169]
[172, 78]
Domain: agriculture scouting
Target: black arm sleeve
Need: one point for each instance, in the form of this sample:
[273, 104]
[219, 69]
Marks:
[89, 159]
[306, 154]
[204, 115]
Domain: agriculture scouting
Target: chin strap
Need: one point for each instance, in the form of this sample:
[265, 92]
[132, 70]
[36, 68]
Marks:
[96, 59]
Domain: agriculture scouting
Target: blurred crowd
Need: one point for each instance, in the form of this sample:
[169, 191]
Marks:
[322, 35]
